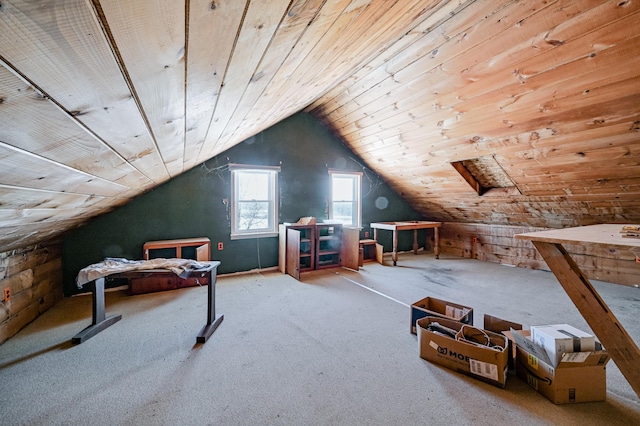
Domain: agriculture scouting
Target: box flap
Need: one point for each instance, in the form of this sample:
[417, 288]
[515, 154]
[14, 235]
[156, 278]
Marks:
[528, 345]
[583, 359]
[569, 360]
[498, 325]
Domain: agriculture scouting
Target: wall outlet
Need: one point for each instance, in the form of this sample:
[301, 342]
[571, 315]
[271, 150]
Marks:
[7, 294]
[474, 240]
[220, 246]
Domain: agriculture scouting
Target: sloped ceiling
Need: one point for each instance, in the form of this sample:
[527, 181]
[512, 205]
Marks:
[101, 100]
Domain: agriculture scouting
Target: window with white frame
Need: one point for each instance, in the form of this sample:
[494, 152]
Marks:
[345, 205]
[254, 201]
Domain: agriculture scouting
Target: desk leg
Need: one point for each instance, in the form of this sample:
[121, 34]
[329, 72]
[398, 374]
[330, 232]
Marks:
[622, 349]
[212, 321]
[100, 321]
[436, 242]
[394, 254]
[415, 241]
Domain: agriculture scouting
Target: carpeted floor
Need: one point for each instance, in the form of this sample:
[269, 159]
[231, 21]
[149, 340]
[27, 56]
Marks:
[333, 349]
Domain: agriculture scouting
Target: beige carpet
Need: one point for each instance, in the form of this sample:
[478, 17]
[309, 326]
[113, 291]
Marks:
[334, 349]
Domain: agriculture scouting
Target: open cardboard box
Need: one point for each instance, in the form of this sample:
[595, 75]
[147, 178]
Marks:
[430, 306]
[499, 325]
[578, 377]
[486, 363]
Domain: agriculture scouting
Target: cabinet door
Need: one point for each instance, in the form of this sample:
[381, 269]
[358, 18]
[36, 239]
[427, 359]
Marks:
[349, 250]
[293, 253]
[282, 248]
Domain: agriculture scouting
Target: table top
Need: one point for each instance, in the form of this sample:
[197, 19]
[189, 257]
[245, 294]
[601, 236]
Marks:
[407, 224]
[606, 234]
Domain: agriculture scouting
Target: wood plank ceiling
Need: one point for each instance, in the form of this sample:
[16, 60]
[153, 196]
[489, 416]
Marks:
[101, 100]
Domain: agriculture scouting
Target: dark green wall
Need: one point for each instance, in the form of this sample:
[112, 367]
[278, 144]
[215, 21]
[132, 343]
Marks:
[190, 205]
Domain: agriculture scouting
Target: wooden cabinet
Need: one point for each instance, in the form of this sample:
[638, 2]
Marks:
[328, 243]
[308, 247]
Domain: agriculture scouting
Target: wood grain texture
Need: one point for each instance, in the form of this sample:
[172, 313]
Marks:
[623, 350]
[102, 100]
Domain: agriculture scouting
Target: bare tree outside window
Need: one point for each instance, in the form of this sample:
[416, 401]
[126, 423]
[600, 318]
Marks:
[254, 207]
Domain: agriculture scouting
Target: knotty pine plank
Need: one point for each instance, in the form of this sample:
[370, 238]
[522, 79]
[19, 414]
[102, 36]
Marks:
[57, 136]
[23, 169]
[457, 94]
[65, 52]
[435, 31]
[263, 115]
[295, 23]
[438, 13]
[211, 39]
[557, 141]
[333, 19]
[17, 237]
[258, 28]
[356, 50]
[405, 16]
[460, 42]
[14, 197]
[150, 39]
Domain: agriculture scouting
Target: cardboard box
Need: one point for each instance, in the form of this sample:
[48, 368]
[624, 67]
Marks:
[579, 376]
[430, 306]
[486, 363]
[499, 325]
[558, 339]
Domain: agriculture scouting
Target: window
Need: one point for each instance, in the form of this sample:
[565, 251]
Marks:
[254, 201]
[345, 197]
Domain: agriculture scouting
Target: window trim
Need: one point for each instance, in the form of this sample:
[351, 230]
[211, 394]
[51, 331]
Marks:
[237, 234]
[357, 195]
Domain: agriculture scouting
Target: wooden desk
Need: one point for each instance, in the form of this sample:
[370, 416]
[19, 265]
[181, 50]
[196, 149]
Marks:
[203, 247]
[100, 321]
[605, 325]
[408, 225]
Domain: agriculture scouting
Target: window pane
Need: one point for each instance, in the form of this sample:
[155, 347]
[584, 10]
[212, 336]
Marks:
[254, 206]
[342, 189]
[253, 186]
[253, 215]
[343, 211]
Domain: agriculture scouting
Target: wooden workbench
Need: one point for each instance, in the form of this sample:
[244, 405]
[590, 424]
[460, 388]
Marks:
[622, 349]
[413, 225]
[95, 282]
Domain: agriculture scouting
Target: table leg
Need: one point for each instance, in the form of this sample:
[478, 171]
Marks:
[622, 349]
[394, 254]
[99, 320]
[436, 242]
[212, 321]
[415, 241]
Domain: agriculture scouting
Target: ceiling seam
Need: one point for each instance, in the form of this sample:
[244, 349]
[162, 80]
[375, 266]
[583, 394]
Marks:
[48, 160]
[102, 20]
[224, 75]
[69, 115]
[263, 124]
[262, 59]
[187, 7]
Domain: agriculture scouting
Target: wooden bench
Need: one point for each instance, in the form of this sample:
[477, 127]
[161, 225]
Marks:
[203, 247]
